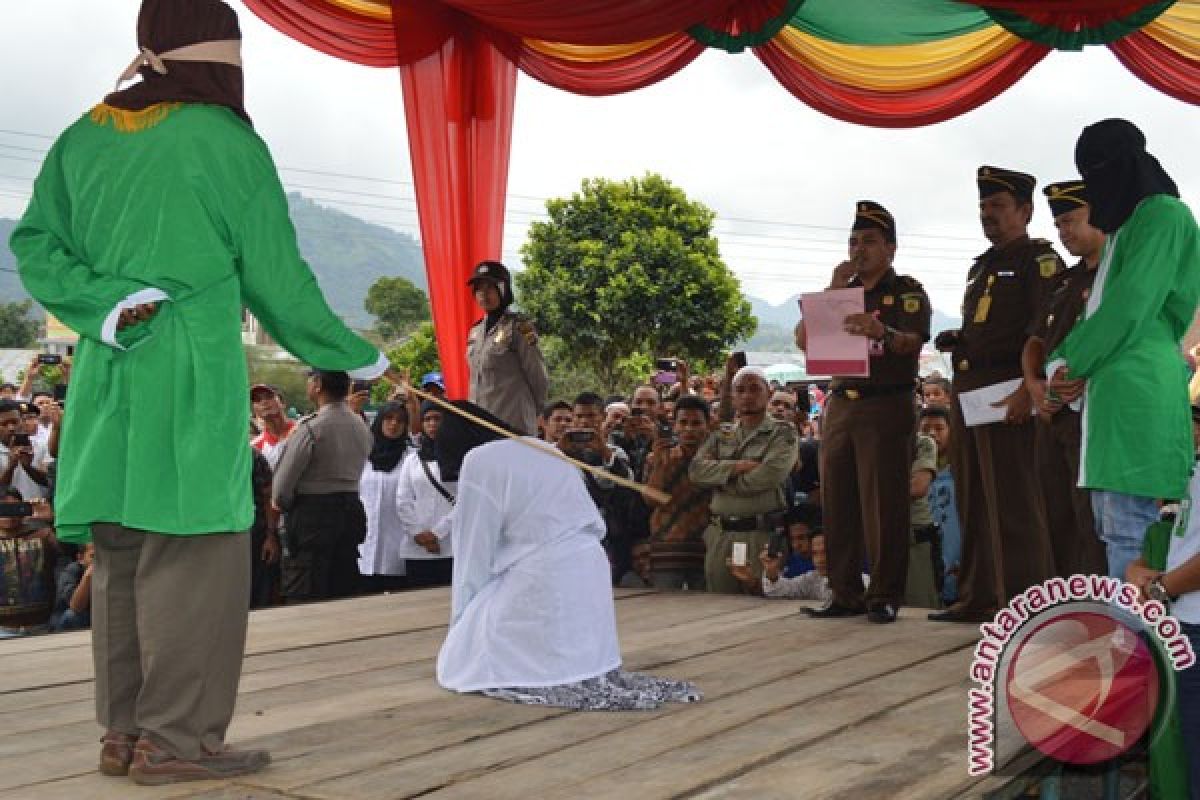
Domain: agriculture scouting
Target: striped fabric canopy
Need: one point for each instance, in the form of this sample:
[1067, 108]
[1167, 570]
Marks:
[888, 63]
[884, 63]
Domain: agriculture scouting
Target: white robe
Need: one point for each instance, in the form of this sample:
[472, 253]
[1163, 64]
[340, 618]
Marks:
[423, 508]
[381, 551]
[531, 605]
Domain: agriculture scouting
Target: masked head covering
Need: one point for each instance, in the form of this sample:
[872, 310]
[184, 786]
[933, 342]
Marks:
[1111, 156]
[190, 53]
[387, 453]
[459, 436]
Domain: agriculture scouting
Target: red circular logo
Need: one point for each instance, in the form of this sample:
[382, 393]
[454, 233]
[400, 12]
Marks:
[1082, 688]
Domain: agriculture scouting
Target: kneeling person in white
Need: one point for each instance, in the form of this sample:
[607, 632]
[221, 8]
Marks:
[532, 608]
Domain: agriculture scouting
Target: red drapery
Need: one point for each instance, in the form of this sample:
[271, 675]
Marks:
[458, 104]
[458, 61]
[901, 109]
[1160, 66]
[612, 76]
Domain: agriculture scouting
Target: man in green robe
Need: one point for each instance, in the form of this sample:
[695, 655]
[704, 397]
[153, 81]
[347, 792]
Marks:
[155, 219]
[1123, 358]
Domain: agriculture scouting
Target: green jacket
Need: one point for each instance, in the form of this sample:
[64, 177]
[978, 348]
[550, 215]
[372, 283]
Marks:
[188, 204]
[1137, 429]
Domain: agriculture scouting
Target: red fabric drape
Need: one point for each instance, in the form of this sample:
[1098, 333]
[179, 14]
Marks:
[1160, 66]
[1108, 8]
[901, 109]
[458, 104]
[613, 76]
[361, 40]
[591, 21]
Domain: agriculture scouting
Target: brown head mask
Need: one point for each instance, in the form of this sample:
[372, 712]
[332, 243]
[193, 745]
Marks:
[188, 55]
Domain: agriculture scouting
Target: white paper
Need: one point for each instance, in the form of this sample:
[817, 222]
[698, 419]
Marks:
[977, 405]
[829, 349]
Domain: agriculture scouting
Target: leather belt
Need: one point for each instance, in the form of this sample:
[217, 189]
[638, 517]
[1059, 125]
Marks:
[752, 522]
[862, 392]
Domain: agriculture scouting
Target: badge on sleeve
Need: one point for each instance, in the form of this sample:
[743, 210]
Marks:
[1047, 265]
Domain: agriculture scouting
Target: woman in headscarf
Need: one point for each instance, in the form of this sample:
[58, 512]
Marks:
[532, 617]
[424, 501]
[156, 217]
[380, 560]
[1124, 356]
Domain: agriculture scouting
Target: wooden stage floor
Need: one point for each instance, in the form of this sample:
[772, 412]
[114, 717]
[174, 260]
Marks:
[343, 695]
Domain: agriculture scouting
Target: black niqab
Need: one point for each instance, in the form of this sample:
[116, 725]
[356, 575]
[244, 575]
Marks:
[1111, 156]
[458, 436]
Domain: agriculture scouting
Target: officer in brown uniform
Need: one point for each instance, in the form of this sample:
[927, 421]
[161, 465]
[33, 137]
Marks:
[1005, 547]
[867, 433]
[1073, 540]
[508, 373]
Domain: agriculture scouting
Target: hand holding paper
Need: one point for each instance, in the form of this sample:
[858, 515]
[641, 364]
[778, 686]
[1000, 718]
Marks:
[830, 349]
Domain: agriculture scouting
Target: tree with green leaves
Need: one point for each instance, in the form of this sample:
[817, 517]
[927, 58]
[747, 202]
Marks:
[418, 354]
[397, 305]
[18, 330]
[624, 269]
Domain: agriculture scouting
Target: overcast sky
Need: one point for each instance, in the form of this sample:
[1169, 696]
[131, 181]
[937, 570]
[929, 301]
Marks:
[782, 178]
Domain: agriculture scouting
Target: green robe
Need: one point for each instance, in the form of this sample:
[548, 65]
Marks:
[1137, 428]
[184, 199]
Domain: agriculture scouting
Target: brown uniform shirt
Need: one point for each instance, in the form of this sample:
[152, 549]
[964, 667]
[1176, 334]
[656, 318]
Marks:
[508, 373]
[899, 302]
[1006, 289]
[1064, 307]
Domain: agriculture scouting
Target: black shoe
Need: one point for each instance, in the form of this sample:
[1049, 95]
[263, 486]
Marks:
[882, 614]
[833, 611]
[962, 615]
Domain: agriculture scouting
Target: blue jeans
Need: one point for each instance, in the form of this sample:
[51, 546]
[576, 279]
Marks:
[1188, 682]
[1121, 522]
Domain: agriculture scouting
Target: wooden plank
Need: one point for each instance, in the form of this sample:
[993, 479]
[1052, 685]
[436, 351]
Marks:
[567, 749]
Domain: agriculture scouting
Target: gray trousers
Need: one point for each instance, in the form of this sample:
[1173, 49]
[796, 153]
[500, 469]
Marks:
[169, 634]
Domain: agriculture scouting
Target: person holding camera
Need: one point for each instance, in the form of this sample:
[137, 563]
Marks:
[22, 463]
[745, 464]
[28, 551]
[636, 433]
[795, 572]
[317, 485]
[508, 373]
[677, 527]
[622, 509]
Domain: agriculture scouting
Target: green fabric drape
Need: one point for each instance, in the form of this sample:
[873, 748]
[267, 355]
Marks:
[1103, 33]
[737, 42]
[888, 22]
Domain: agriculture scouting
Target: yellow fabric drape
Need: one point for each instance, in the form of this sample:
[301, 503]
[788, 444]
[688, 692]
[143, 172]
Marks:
[1178, 28]
[377, 9]
[895, 68]
[592, 53]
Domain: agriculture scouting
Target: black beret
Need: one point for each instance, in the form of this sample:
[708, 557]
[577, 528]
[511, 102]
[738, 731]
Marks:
[998, 179]
[869, 214]
[1066, 196]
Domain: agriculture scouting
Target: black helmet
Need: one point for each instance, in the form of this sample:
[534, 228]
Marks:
[498, 274]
